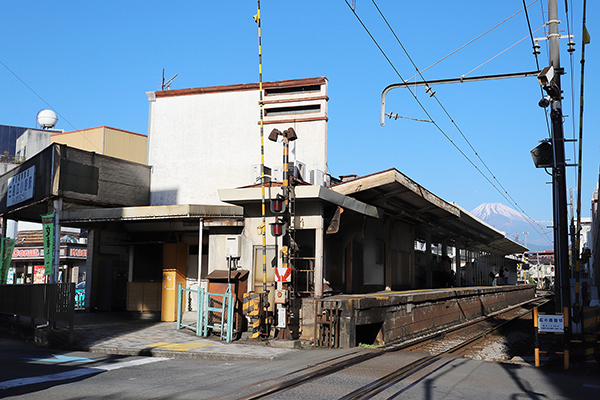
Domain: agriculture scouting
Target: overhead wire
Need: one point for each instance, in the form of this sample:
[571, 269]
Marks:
[502, 52]
[426, 112]
[34, 92]
[537, 61]
[572, 82]
[45, 102]
[473, 40]
[584, 41]
[506, 194]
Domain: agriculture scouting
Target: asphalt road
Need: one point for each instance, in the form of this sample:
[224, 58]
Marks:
[29, 372]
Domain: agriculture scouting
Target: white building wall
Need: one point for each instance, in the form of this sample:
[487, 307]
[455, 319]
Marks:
[202, 142]
[31, 142]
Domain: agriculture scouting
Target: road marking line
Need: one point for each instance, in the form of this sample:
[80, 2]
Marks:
[591, 386]
[132, 363]
[77, 373]
[61, 358]
[179, 346]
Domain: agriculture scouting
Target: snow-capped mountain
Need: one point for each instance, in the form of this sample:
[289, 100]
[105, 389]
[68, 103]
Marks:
[514, 225]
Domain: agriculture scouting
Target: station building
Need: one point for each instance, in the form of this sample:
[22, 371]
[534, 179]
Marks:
[198, 203]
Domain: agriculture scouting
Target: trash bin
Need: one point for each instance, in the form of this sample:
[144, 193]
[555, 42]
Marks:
[217, 283]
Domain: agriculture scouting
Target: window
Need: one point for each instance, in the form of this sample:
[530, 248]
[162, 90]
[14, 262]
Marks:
[292, 90]
[313, 108]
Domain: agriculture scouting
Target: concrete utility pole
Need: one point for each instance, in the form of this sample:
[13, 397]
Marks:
[559, 187]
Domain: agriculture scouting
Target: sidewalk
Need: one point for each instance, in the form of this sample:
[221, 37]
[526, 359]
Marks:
[124, 334]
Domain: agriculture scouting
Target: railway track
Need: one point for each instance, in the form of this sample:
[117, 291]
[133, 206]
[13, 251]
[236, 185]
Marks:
[448, 341]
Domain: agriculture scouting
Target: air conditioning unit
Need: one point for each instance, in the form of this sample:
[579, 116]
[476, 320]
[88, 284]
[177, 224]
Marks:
[316, 177]
[255, 174]
[292, 169]
[278, 174]
[300, 170]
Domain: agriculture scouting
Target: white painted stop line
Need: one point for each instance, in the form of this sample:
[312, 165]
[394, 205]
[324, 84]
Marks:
[77, 373]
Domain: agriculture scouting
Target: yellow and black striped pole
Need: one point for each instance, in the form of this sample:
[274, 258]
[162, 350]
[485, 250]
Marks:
[536, 344]
[262, 164]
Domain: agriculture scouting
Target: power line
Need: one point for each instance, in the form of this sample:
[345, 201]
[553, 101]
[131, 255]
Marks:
[571, 50]
[448, 114]
[537, 62]
[476, 38]
[48, 104]
[34, 92]
[432, 94]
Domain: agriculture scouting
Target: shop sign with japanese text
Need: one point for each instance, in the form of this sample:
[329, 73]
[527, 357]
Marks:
[20, 187]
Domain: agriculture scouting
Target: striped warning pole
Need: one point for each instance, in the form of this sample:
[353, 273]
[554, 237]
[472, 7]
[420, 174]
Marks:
[262, 163]
[252, 305]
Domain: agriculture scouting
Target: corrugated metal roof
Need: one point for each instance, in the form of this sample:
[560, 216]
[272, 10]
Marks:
[399, 195]
[179, 211]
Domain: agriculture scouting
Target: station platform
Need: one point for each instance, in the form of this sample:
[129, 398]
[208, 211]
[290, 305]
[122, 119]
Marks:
[391, 316]
[392, 313]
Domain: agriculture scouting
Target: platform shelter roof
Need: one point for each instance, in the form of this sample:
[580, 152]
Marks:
[400, 197]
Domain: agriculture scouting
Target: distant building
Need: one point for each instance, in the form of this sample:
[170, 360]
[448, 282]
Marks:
[101, 140]
[541, 266]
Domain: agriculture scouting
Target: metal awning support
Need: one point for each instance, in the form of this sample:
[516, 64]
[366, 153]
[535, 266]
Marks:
[462, 79]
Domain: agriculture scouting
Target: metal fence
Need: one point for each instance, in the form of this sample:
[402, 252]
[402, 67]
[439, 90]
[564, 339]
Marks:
[214, 312]
[52, 301]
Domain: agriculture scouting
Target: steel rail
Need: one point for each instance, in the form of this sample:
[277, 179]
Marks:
[392, 378]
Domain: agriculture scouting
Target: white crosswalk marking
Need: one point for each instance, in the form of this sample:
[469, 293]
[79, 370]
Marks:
[77, 373]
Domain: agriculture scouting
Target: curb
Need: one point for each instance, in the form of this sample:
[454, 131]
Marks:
[179, 355]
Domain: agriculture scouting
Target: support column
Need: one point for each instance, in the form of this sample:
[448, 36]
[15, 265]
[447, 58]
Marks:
[387, 272]
[319, 237]
[56, 263]
[200, 239]
[428, 259]
[131, 257]
[457, 270]
[444, 247]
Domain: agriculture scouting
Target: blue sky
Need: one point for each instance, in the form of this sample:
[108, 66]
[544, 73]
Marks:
[93, 62]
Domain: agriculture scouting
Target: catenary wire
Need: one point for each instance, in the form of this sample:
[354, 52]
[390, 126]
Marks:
[537, 61]
[502, 52]
[471, 41]
[506, 195]
[572, 82]
[427, 113]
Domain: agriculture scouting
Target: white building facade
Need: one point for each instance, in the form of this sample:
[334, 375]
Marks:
[207, 138]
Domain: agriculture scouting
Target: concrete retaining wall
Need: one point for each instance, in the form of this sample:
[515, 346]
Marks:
[385, 317]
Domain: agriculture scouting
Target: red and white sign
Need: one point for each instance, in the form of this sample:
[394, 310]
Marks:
[38, 252]
[39, 274]
[283, 274]
[79, 253]
[20, 252]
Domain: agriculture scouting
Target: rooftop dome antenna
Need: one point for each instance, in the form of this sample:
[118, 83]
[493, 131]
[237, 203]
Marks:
[47, 119]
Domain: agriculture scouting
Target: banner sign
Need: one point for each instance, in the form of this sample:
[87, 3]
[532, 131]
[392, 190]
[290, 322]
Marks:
[48, 232]
[20, 187]
[39, 275]
[7, 249]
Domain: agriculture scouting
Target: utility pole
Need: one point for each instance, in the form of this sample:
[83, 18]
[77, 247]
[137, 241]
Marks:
[559, 187]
